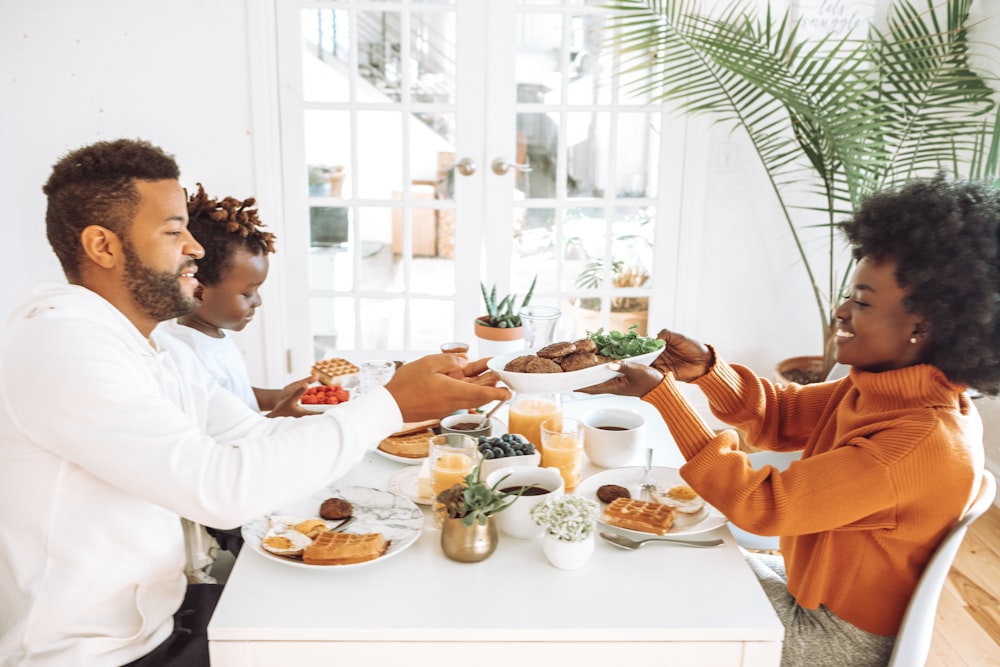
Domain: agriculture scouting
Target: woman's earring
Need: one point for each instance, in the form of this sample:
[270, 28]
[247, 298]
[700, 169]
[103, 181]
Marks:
[913, 340]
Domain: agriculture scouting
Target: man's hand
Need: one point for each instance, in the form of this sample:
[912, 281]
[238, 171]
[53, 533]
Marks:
[687, 359]
[439, 384]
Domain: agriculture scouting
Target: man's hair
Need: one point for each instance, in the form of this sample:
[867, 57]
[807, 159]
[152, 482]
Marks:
[222, 228]
[943, 236]
[95, 185]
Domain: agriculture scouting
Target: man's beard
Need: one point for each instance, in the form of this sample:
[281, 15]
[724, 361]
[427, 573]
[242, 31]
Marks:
[157, 293]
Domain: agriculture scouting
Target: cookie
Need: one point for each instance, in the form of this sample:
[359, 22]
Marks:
[335, 508]
[609, 492]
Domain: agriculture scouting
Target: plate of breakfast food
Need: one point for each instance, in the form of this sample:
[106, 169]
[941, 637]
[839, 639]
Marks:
[675, 509]
[414, 483]
[409, 448]
[569, 365]
[337, 527]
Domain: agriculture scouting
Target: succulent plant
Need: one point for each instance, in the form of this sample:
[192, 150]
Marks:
[504, 313]
[475, 501]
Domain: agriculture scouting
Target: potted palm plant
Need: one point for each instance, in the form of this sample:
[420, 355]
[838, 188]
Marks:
[830, 122]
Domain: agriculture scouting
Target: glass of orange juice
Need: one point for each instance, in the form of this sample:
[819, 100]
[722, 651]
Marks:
[528, 411]
[562, 448]
[451, 458]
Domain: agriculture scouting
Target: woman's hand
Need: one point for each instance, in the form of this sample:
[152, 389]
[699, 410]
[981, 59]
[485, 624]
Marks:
[636, 380]
[687, 359]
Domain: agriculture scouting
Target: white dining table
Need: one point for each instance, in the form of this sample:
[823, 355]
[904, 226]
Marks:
[659, 605]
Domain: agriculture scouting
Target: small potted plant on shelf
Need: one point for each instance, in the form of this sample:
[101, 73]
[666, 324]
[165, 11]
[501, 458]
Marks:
[569, 522]
[500, 329]
[468, 533]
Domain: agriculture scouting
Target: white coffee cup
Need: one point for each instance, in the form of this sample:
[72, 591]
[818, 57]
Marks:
[515, 520]
[613, 437]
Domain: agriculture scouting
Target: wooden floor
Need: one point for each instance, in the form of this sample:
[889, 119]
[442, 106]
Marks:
[967, 631]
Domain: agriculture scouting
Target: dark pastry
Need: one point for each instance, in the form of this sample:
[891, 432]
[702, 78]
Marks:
[335, 508]
[578, 361]
[556, 350]
[609, 492]
[530, 363]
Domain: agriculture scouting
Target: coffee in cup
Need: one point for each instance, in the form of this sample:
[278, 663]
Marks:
[540, 483]
[614, 437]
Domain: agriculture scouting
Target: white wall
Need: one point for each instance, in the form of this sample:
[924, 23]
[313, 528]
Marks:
[183, 75]
[173, 73]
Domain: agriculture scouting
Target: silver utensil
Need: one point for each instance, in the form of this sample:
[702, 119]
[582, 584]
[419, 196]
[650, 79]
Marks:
[626, 543]
[648, 482]
[342, 525]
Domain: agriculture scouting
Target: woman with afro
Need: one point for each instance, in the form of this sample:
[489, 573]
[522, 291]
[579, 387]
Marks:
[891, 454]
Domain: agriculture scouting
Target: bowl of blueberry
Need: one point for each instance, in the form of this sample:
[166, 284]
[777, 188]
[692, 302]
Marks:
[509, 449]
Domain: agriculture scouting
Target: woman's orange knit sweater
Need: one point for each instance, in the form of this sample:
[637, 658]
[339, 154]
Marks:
[889, 463]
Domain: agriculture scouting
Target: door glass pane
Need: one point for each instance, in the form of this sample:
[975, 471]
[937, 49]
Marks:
[328, 152]
[539, 54]
[637, 154]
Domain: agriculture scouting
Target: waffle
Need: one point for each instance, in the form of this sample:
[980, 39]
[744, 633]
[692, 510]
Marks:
[413, 446]
[641, 515]
[329, 370]
[344, 548]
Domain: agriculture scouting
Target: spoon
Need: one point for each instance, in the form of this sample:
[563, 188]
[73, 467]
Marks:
[486, 418]
[626, 543]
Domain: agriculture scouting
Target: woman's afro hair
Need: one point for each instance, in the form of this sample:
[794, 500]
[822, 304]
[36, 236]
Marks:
[943, 236]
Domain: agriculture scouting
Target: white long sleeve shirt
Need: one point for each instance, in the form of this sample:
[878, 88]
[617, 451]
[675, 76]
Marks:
[105, 442]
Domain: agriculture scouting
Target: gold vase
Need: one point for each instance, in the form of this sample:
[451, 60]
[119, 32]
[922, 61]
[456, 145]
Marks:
[468, 544]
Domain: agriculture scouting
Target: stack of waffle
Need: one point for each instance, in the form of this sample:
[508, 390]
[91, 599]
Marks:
[331, 548]
[641, 515]
[330, 370]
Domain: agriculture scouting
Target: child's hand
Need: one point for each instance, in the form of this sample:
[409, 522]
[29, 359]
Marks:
[288, 400]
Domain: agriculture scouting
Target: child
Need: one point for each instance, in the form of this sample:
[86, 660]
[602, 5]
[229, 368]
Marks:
[231, 273]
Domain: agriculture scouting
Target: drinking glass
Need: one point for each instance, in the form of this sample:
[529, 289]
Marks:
[539, 324]
[528, 411]
[374, 374]
[451, 458]
[562, 448]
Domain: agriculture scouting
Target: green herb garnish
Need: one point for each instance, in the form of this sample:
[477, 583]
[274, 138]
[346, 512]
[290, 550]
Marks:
[618, 345]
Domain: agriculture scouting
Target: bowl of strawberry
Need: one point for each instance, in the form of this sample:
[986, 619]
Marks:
[323, 397]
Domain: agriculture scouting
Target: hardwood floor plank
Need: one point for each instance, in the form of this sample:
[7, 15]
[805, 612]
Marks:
[967, 629]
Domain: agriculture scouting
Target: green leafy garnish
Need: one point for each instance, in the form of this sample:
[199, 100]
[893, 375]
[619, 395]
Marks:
[618, 345]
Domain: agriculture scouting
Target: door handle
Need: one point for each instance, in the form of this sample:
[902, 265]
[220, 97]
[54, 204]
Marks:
[466, 166]
[501, 166]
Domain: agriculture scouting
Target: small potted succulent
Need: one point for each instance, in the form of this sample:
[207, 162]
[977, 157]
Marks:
[500, 329]
[569, 522]
[468, 533]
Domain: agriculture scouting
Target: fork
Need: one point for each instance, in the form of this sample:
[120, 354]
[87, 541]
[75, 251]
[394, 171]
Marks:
[648, 482]
[626, 543]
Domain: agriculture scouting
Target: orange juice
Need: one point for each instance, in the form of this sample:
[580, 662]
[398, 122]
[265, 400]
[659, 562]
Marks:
[565, 452]
[448, 470]
[526, 416]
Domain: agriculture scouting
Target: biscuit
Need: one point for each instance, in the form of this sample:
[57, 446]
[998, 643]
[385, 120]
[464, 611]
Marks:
[640, 515]
[576, 361]
[335, 508]
[412, 446]
[328, 370]
[556, 350]
[530, 363]
[610, 492]
[585, 345]
[344, 548]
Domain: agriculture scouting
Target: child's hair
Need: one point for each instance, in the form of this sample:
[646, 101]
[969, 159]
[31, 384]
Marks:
[222, 227]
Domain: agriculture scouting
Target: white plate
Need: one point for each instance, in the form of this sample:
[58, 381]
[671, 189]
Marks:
[401, 459]
[544, 383]
[707, 519]
[405, 484]
[375, 511]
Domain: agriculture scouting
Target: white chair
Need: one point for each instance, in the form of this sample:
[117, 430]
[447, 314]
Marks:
[913, 642]
[758, 460]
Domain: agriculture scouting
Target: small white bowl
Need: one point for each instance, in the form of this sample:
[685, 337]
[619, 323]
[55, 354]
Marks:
[491, 465]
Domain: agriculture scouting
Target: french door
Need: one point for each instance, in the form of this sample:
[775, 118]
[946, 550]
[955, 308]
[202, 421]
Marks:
[428, 146]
